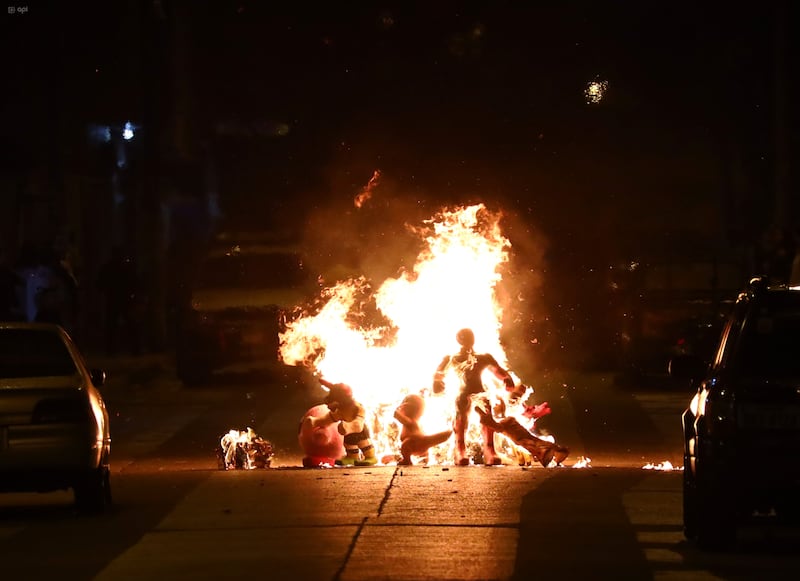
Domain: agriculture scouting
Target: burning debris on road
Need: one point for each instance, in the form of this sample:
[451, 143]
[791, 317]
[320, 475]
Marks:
[583, 462]
[666, 466]
[243, 450]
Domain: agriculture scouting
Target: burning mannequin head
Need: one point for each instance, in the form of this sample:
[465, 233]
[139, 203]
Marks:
[413, 405]
[349, 416]
[338, 391]
[340, 400]
[466, 338]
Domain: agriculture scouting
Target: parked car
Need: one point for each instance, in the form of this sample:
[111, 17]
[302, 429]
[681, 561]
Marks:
[237, 305]
[54, 431]
[742, 427]
[671, 307]
[674, 307]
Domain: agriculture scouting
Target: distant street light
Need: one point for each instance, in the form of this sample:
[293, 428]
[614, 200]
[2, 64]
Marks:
[127, 131]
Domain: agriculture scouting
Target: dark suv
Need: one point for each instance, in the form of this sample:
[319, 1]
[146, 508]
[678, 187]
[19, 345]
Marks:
[742, 428]
[238, 301]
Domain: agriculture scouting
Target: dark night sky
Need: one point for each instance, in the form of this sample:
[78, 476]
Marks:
[451, 100]
[486, 100]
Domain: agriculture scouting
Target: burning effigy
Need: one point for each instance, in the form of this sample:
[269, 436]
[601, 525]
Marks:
[388, 342]
[413, 440]
[349, 418]
[244, 450]
[319, 438]
[540, 450]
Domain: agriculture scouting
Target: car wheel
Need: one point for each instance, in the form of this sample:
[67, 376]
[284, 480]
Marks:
[93, 491]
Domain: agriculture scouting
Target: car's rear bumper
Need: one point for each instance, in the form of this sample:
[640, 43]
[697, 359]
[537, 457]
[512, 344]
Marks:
[47, 456]
[40, 479]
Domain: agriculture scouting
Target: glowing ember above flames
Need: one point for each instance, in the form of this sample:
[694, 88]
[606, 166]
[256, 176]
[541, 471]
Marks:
[366, 192]
[386, 342]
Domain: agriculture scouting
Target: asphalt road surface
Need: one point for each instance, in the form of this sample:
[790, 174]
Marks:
[178, 516]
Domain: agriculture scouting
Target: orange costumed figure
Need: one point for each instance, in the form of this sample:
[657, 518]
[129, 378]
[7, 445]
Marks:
[469, 366]
[413, 442]
[542, 450]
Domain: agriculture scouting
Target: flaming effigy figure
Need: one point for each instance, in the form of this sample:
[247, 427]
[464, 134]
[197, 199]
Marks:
[350, 417]
[469, 367]
[541, 450]
[384, 358]
[413, 440]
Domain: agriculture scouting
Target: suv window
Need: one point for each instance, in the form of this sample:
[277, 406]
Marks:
[769, 345]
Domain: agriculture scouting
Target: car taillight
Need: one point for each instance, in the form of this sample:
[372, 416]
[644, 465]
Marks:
[60, 410]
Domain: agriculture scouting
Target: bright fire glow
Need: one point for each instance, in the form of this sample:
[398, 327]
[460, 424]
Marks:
[583, 462]
[665, 466]
[386, 342]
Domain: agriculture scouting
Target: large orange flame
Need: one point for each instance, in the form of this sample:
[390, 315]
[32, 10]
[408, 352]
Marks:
[386, 342]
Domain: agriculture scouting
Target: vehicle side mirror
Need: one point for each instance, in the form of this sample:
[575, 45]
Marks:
[688, 367]
[98, 377]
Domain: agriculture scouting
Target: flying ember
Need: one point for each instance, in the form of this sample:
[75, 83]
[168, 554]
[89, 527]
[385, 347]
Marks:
[385, 342]
[595, 91]
[366, 192]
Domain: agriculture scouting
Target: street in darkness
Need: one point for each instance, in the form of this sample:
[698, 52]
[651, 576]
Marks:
[614, 166]
[177, 515]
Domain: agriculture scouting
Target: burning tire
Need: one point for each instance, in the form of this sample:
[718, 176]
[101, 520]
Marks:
[93, 491]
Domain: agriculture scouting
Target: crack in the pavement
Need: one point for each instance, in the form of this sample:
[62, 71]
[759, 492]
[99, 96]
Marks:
[388, 490]
[350, 550]
[357, 534]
